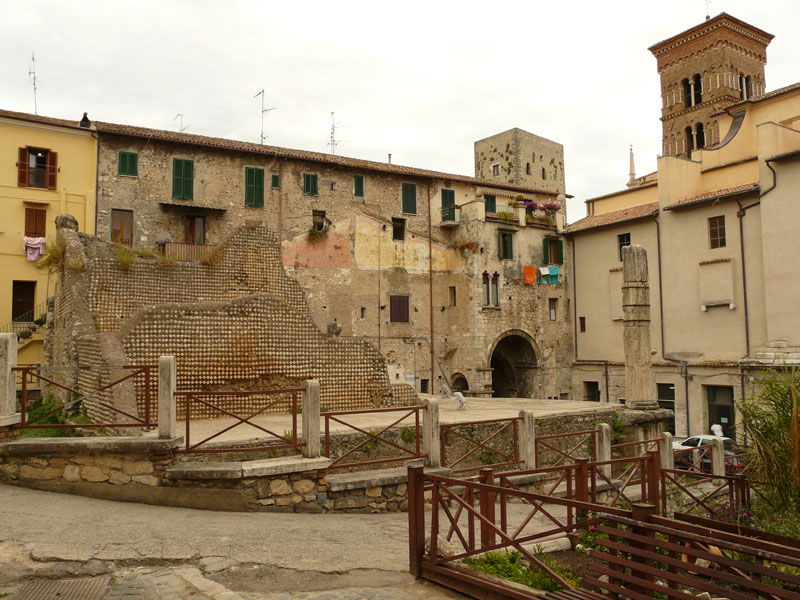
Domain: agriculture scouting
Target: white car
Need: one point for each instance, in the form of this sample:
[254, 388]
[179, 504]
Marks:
[703, 440]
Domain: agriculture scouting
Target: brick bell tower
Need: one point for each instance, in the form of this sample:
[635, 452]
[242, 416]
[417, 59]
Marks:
[704, 70]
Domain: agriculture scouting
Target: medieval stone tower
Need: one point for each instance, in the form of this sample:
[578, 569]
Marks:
[703, 70]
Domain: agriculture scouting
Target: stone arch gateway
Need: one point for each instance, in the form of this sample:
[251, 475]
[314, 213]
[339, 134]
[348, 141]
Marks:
[513, 360]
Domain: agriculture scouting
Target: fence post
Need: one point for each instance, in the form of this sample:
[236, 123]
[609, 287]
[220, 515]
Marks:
[430, 434]
[416, 519]
[652, 476]
[642, 513]
[665, 449]
[167, 410]
[604, 447]
[487, 508]
[581, 485]
[717, 457]
[8, 382]
[310, 421]
[527, 439]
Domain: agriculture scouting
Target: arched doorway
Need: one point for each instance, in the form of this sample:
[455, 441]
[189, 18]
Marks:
[460, 383]
[513, 364]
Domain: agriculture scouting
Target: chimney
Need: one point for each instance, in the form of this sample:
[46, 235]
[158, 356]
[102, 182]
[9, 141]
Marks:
[85, 122]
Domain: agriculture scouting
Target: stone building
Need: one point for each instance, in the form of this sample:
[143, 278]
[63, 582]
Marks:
[718, 228]
[703, 70]
[451, 278]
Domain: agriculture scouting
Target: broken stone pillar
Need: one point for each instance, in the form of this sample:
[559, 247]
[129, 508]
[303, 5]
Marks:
[431, 434]
[310, 419]
[639, 384]
[527, 439]
[167, 411]
[8, 384]
[604, 448]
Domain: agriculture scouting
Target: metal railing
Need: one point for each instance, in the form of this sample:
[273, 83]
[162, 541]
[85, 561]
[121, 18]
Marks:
[26, 320]
[289, 439]
[563, 448]
[374, 439]
[184, 252]
[487, 454]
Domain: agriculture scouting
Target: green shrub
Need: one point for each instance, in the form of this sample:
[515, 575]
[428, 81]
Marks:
[124, 258]
[36, 409]
[511, 565]
[408, 435]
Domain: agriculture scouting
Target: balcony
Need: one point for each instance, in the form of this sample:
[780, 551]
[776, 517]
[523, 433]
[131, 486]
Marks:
[451, 216]
[184, 252]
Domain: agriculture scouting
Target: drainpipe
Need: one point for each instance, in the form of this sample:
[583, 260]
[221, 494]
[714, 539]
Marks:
[608, 398]
[575, 301]
[741, 214]
[430, 282]
[660, 285]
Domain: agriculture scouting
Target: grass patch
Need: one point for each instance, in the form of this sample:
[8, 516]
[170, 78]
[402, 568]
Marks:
[124, 258]
[53, 256]
[36, 409]
[408, 435]
[511, 565]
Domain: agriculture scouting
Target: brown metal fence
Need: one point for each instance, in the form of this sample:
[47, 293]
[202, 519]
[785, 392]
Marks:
[186, 252]
[565, 448]
[484, 450]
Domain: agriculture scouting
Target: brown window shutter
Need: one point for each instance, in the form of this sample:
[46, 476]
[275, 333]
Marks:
[22, 168]
[404, 309]
[35, 222]
[52, 170]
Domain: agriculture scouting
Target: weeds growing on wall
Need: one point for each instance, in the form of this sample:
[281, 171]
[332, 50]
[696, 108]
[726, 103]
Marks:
[124, 258]
[408, 435]
[511, 565]
[75, 414]
[53, 256]
[146, 253]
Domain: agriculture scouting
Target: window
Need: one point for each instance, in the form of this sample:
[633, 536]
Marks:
[689, 140]
[276, 181]
[490, 203]
[122, 226]
[182, 178]
[495, 290]
[310, 184]
[363, 312]
[485, 288]
[448, 205]
[358, 186]
[318, 220]
[424, 385]
[716, 231]
[35, 222]
[544, 173]
[582, 324]
[700, 136]
[398, 229]
[496, 170]
[698, 89]
[553, 251]
[128, 164]
[505, 242]
[37, 168]
[398, 309]
[253, 186]
[666, 399]
[744, 87]
[552, 306]
[527, 168]
[591, 391]
[23, 294]
[623, 239]
[688, 98]
[195, 230]
[452, 292]
[409, 198]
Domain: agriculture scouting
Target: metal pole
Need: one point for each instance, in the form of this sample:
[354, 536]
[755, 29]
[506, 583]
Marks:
[416, 520]
[430, 282]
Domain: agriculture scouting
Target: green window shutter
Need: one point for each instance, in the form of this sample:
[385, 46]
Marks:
[188, 179]
[133, 163]
[448, 204]
[128, 163]
[410, 198]
[123, 163]
[561, 252]
[358, 186]
[499, 244]
[314, 190]
[276, 181]
[546, 251]
[249, 186]
[177, 178]
[259, 187]
[509, 246]
[310, 184]
[490, 202]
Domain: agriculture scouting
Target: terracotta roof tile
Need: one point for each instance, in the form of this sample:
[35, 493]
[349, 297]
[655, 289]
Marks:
[40, 119]
[614, 217]
[716, 194]
[767, 95]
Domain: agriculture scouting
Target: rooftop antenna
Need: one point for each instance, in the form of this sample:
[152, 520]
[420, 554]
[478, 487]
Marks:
[263, 111]
[333, 143]
[32, 75]
[708, 9]
[181, 128]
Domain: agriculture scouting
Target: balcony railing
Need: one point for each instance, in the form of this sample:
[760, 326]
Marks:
[184, 252]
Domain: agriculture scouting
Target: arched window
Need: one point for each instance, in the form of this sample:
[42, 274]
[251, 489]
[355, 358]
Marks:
[698, 89]
[544, 175]
[687, 93]
[485, 288]
[495, 290]
[689, 140]
[700, 136]
[527, 168]
[744, 87]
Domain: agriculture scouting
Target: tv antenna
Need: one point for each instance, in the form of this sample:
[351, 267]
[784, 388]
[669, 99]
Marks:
[32, 75]
[181, 128]
[263, 112]
[708, 9]
[333, 143]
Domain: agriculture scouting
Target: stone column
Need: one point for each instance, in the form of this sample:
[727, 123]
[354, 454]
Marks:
[8, 383]
[717, 457]
[310, 421]
[527, 439]
[639, 384]
[604, 447]
[431, 434]
[665, 449]
[167, 412]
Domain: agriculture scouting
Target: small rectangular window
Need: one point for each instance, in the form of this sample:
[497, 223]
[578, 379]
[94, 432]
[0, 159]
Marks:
[35, 222]
[122, 226]
[452, 290]
[552, 305]
[37, 168]
[496, 170]
[318, 219]
[398, 229]
[505, 241]
[182, 178]
[128, 164]
[253, 186]
[195, 232]
[424, 386]
[716, 231]
[623, 239]
[310, 184]
[358, 186]
[592, 391]
[409, 198]
[398, 309]
[276, 181]
[553, 251]
[448, 205]
[490, 203]
[495, 290]
[485, 289]
[582, 324]
[363, 312]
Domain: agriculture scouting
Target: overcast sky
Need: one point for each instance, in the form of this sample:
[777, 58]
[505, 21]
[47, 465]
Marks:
[422, 80]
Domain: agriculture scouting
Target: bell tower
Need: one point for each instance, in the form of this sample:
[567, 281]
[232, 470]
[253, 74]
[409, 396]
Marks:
[704, 70]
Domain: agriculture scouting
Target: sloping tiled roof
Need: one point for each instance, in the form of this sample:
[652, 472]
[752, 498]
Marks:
[709, 24]
[767, 95]
[613, 218]
[276, 151]
[737, 190]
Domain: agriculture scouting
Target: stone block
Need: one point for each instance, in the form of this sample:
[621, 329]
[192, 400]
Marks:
[139, 467]
[93, 474]
[146, 480]
[283, 501]
[72, 473]
[296, 498]
[83, 459]
[35, 460]
[401, 489]
[11, 471]
[30, 472]
[303, 486]
[279, 487]
[108, 461]
[310, 497]
[373, 492]
[309, 507]
[118, 478]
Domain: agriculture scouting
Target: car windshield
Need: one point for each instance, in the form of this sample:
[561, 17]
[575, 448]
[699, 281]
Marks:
[689, 442]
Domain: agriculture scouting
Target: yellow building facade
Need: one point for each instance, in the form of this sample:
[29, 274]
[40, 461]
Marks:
[47, 168]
